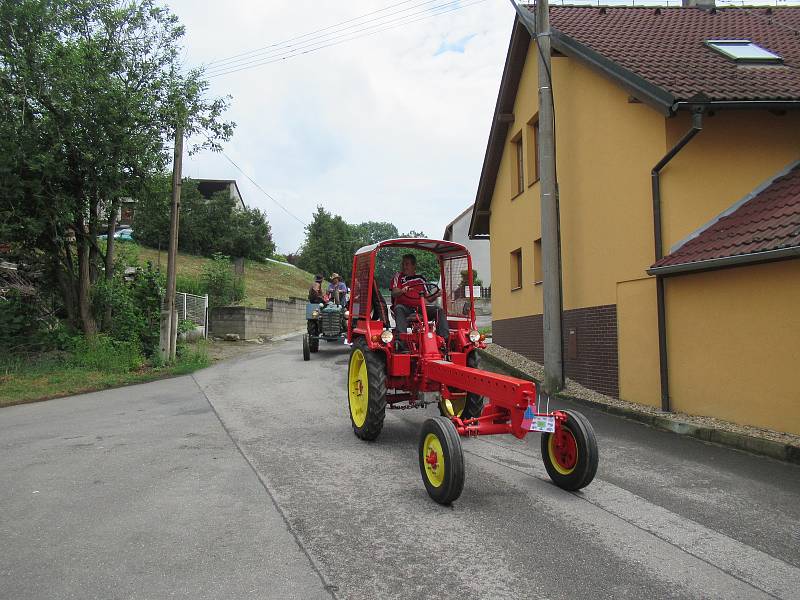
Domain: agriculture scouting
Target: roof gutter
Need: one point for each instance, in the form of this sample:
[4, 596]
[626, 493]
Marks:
[727, 261]
[655, 175]
[738, 105]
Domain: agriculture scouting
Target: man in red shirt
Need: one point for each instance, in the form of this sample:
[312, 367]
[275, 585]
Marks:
[406, 288]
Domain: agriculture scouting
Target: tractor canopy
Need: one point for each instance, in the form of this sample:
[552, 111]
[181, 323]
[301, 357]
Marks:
[455, 277]
[441, 247]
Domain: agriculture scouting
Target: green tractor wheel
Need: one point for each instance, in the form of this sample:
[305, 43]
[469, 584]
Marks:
[313, 339]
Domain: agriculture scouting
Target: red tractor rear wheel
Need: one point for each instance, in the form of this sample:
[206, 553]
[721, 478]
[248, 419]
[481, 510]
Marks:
[468, 407]
[441, 460]
[570, 453]
[366, 390]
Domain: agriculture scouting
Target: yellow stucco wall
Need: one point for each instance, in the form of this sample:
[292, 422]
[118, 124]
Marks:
[606, 148]
[637, 335]
[734, 153]
[734, 350]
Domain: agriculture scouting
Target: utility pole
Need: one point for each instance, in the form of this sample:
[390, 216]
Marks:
[169, 318]
[551, 242]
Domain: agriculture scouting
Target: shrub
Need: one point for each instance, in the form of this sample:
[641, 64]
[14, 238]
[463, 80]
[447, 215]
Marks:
[102, 353]
[190, 285]
[222, 287]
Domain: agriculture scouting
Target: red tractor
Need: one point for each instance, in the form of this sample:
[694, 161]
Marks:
[471, 401]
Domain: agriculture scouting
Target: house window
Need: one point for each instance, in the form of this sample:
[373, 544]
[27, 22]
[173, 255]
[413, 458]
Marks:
[538, 274]
[519, 171]
[743, 51]
[533, 150]
[516, 269]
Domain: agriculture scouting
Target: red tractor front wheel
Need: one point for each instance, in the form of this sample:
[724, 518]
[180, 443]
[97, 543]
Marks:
[441, 460]
[570, 453]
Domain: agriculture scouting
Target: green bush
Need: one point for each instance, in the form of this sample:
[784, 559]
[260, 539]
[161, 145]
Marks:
[190, 285]
[222, 287]
[102, 353]
[18, 321]
[135, 306]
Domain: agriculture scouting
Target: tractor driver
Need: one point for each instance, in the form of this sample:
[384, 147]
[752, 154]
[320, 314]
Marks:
[406, 288]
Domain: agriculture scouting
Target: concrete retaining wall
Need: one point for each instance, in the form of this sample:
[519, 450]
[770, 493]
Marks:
[279, 317]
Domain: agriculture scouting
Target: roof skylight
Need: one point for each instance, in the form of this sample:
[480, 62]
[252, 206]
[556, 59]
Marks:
[743, 51]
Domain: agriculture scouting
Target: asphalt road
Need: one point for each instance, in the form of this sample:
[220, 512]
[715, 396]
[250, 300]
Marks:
[136, 514]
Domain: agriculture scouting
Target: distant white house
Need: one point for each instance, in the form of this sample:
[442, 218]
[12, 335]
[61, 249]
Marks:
[458, 231]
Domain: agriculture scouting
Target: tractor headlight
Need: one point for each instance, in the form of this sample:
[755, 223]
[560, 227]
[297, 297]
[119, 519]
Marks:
[346, 313]
[387, 336]
[315, 314]
[474, 336]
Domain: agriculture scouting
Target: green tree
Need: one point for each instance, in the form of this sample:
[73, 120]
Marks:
[207, 225]
[329, 246]
[91, 92]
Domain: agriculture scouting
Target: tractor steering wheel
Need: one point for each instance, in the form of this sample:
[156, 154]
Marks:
[430, 290]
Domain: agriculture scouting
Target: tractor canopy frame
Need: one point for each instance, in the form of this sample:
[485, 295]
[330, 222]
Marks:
[368, 312]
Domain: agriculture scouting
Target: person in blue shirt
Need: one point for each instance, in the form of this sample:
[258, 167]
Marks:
[337, 285]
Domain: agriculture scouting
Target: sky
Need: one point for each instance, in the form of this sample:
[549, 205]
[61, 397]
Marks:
[388, 127]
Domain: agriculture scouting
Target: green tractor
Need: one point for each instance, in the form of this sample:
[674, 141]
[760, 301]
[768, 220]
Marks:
[325, 321]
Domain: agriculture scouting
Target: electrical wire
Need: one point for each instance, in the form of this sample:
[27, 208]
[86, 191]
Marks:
[450, 7]
[263, 191]
[251, 53]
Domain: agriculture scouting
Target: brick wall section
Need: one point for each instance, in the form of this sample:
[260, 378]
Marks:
[278, 318]
[596, 362]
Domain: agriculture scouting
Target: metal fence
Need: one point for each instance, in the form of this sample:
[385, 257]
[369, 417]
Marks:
[193, 308]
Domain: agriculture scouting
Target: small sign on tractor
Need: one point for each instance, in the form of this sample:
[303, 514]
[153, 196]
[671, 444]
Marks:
[389, 369]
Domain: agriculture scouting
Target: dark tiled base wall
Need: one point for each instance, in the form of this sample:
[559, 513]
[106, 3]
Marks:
[590, 359]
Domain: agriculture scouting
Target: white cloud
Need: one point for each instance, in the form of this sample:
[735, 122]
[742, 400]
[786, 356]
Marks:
[379, 128]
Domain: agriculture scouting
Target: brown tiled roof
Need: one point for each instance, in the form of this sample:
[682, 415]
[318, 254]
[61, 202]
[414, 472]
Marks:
[764, 225]
[665, 47]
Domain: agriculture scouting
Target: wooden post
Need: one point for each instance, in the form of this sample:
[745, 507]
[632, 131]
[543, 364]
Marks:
[169, 321]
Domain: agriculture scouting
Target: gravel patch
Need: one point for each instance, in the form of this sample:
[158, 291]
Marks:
[576, 390]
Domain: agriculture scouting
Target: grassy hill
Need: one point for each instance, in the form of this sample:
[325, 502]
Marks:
[262, 280]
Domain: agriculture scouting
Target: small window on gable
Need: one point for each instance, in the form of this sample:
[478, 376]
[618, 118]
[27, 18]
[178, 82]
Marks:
[743, 51]
[519, 171]
[516, 269]
[533, 150]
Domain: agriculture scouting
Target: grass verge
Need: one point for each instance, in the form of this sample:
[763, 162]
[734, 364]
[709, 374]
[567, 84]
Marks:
[53, 378]
[261, 280]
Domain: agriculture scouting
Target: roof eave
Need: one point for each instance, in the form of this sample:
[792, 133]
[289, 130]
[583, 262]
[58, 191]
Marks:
[638, 87]
[515, 61]
[725, 262]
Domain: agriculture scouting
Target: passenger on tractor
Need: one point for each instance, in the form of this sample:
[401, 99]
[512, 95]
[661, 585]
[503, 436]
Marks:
[337, 285]
[406, 288]
[315, 295]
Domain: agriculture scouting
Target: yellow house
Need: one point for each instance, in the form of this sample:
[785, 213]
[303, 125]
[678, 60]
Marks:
[677, 151]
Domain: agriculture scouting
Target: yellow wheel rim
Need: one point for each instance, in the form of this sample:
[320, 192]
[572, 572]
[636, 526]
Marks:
[433, 459]
[563, 455]
[358, 388]
[453, 408]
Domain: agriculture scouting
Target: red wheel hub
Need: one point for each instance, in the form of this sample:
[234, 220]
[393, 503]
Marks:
[565, 448]
[432, 459]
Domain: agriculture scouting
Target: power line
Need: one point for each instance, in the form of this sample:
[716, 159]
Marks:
[369, 31]
[263, 191]
[432, 11]
[310, 33]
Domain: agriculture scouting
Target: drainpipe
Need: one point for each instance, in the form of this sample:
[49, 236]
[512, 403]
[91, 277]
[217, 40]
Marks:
[697, 125]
